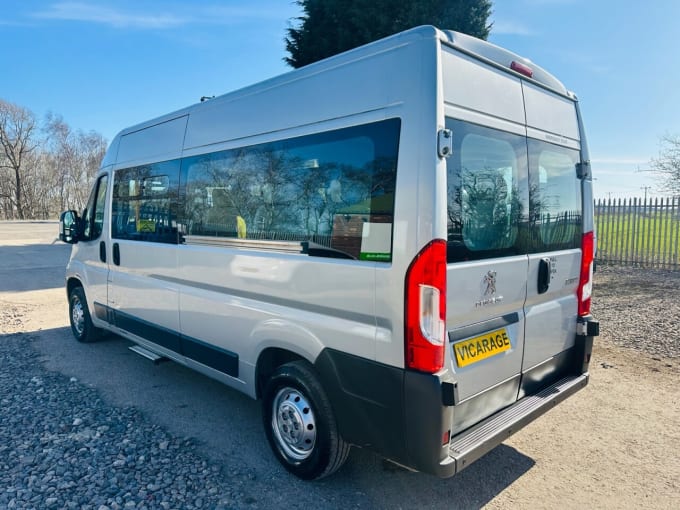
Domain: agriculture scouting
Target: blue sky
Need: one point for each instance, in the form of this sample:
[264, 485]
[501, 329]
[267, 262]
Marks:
[107, 64]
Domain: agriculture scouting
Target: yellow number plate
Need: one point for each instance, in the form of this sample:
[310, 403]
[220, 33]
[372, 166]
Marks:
[481, 347]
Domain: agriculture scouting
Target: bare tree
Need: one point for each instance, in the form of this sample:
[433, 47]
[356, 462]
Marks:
[44, 169]
[667, 165]
[17, 144]
[72, 159]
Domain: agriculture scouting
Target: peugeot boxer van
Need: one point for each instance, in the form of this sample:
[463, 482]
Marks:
[391, 248]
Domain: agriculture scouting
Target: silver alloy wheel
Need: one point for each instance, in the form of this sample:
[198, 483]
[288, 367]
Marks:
[77, 315]
[293, 424]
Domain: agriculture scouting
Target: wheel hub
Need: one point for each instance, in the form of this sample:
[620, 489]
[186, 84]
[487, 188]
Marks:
[293, 424]
[78, 316]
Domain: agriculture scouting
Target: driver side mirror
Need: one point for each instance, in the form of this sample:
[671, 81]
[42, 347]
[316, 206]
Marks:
[68, 227]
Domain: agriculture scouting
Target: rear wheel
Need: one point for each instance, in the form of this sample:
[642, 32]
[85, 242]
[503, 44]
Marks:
[300, 424]
[79, 314]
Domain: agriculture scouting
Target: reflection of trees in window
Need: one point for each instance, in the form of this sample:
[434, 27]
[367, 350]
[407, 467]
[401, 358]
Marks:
[555, 198]
[483, 213]
[551, 228]
[145, 202]
[292, 190]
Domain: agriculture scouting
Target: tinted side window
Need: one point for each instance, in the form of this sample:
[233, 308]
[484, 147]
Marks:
[93, 216]
[555, 192]
[144, 206]
[334, 190]
[487, 199]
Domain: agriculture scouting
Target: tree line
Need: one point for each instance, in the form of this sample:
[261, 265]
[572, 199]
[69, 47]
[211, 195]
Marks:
[45, 165]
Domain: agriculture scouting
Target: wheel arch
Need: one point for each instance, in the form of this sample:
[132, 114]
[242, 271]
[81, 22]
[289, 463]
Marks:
[72, 283]
[268, 361]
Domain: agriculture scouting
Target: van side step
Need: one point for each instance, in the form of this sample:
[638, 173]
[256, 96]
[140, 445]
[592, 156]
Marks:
[146, 353]
[478, 440]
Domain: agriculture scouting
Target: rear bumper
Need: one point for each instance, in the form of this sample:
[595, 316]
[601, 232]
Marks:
[407, 416]
[473, 443]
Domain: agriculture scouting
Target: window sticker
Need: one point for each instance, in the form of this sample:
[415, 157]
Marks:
[146, 226]
[376, 241]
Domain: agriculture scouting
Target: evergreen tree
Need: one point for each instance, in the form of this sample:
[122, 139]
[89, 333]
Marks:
[328, 27]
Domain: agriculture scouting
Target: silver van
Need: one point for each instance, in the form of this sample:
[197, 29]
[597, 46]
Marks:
[391, 249]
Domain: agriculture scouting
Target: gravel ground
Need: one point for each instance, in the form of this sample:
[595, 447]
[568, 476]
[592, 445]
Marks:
[62, 446]
[639, 309]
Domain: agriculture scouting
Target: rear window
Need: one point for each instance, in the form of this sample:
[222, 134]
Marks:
[555, 197]
[485, 177]
[509, 195]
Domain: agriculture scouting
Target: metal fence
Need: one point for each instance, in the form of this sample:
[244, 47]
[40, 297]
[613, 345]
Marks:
[639, 233]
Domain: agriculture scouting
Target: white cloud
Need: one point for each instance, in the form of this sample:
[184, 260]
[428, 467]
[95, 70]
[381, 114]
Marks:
[169, 17]
[77, 11]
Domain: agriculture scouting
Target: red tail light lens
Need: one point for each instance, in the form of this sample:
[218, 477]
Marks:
[522, 68]
[425, 309]
[585, 284]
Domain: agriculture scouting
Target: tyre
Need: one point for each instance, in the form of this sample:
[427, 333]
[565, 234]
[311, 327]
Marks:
[79, 315]
[299, 423]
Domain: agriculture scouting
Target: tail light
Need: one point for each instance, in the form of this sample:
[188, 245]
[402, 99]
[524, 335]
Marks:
[522, 68]
[585, 284]
[425, 309]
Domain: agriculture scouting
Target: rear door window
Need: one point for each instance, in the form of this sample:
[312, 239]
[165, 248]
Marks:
[487, 200]
[555, 191]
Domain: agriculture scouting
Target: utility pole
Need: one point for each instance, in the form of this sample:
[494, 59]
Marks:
[645, 188]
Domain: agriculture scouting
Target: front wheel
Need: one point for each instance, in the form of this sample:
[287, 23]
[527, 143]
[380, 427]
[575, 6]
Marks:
[79, 314]
[300, 424]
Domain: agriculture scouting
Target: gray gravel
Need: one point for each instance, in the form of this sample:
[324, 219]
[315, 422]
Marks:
[61, 446]
[639, 309]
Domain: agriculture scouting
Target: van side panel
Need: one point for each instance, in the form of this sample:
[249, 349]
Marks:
[334, 92]
[245, 302]
[156, 143]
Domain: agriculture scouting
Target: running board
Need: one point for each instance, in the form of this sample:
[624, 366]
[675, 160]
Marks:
[478, 440]
[146, 353]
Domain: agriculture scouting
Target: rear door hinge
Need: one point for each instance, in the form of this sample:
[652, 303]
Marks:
[445, 143]
[583, 169]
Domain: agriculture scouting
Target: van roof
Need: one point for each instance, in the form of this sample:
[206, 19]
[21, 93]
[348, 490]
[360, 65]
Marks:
[503, 58]
[477, 48]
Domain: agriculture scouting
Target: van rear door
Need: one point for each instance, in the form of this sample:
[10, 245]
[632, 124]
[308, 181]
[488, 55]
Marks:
[487, 204]
[555, 225]
[514, 205]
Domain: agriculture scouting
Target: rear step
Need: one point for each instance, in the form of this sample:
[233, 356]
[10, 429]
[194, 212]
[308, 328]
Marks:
[476, 441]
[146, 353]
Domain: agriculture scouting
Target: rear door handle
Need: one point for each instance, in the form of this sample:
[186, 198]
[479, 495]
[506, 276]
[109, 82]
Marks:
[544, 273]
[102, 251]
[116, 254]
